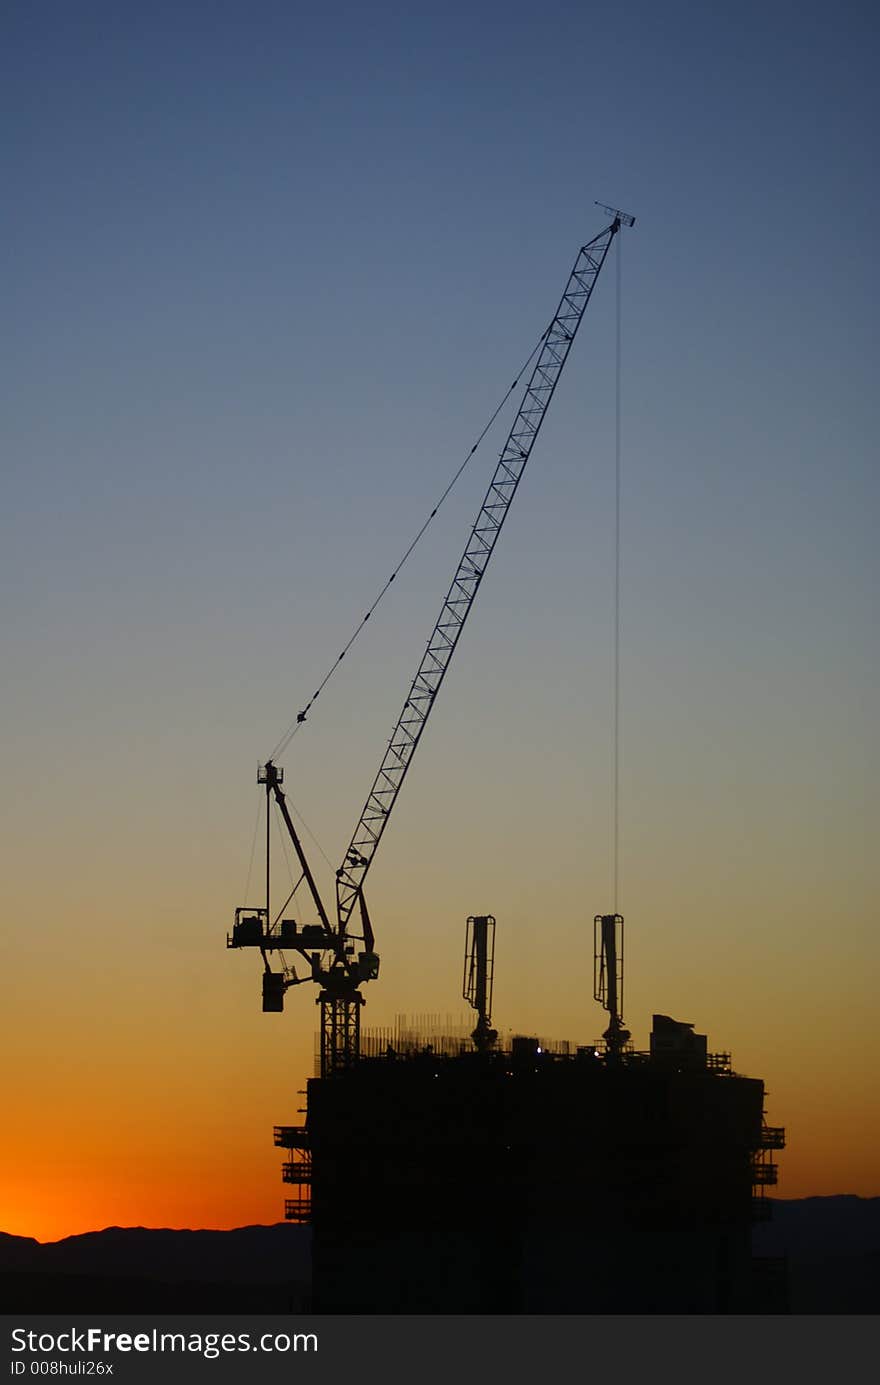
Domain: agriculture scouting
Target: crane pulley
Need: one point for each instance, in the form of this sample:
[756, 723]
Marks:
[329, 948]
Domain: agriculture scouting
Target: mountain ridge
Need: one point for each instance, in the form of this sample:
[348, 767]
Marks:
[831, 1244]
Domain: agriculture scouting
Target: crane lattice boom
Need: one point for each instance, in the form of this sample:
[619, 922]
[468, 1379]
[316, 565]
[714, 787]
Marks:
[469, 573]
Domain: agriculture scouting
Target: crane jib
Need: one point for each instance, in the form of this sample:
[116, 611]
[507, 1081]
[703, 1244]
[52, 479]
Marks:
[459, 599]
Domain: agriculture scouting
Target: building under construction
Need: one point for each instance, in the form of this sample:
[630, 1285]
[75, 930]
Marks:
[450, 1177]
[489, 1177]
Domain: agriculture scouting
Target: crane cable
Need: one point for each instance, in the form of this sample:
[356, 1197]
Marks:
[285, 740]
[247, 883]
[616, 674]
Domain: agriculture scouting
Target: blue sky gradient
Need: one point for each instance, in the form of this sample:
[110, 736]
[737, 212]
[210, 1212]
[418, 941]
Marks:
[268, 269]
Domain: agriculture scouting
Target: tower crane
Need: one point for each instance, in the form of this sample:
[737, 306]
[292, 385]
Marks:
[328, 948]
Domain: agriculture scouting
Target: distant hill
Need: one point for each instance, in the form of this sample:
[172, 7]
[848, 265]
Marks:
[832, 1245]
[133, 1269]
[821, 1225]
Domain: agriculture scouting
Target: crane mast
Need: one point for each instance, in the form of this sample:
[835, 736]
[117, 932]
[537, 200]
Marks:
[330, 951]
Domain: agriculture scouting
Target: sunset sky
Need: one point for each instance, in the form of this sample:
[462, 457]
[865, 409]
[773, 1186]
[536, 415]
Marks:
[269, 269]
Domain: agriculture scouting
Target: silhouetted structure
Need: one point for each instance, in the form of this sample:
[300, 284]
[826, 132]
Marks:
[527, 1181]
[444, 1180]
[340, 957]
